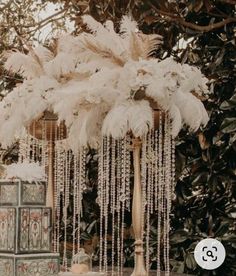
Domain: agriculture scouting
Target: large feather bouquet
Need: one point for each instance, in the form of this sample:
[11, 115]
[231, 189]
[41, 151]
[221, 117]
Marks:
[92, 82]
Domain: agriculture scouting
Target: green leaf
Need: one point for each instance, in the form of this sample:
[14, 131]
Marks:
[178, 267]
[231, 103]
[228, 125]
[179, 236]
[190, 262]
[224, 227]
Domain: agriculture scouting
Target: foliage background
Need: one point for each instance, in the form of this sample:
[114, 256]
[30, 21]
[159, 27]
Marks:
[198, 32]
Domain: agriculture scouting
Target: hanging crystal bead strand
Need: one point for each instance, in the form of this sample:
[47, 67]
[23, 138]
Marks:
[106, 197]
[118, 206]
[55, 219]
[75, 203]
[33, 145]
[160, 196]
[22, 150]
[123, 197]
[81, 189]
[100, 199]
[156, 170]
[172, 165]
[127, 172]
[113, 201]
[65, 207]
[78, 198]
[168, 188]
[150, 192]
[165, 193]
[55, 172]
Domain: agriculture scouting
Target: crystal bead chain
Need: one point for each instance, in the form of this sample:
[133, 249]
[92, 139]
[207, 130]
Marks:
[101, 201]
[113, 198]
[160, 198]
[119, 156]
[106, 198]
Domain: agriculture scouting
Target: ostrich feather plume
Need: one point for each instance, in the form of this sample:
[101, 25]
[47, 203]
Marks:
[102, 82]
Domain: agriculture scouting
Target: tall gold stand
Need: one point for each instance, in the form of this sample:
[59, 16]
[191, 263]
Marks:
[139, 268]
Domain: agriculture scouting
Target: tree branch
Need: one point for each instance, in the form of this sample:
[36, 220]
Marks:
[6, 5]
[42, 25]
[51, 16]
[179, 20]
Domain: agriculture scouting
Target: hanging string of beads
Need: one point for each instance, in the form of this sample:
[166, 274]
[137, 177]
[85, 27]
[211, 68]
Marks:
[114, 175]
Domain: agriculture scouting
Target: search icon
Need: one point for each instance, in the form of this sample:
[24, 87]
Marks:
[209, 254]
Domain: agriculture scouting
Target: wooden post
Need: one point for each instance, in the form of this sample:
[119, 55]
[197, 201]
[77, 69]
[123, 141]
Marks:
[139, 267]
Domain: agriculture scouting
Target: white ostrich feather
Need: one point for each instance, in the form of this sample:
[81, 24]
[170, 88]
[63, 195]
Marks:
[191, 109]
[26, 171]
[115, 123]
[94, 125]
[128, 116]
[61, 65]
[91, 82]
[43, 53]
[176, 120]
[67, 43]
[86, 128]
[140, 118]
[128, 26]
[23, 64]
[77, 136]
[93, 25]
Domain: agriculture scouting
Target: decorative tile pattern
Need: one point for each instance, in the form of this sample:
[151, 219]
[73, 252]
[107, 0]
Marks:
[29, 265]
[33, 226]
[9, 194]
[21, 193]
[34, 233]
[6, 267]
[33, 194]
[7, 229]
[46, 224]
[41, 267]
[11, 229]
[24, 230]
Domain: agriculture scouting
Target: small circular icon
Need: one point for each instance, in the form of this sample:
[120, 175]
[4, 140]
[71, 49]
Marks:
[209, 254]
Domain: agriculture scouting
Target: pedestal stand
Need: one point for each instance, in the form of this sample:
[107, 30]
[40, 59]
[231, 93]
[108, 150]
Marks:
[139, 268]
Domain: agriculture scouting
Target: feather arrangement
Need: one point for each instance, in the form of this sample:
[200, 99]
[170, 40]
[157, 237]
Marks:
[91, 82]
[25, 171]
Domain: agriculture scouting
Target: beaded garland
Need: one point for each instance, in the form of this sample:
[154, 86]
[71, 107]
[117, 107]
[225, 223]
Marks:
[114, 178]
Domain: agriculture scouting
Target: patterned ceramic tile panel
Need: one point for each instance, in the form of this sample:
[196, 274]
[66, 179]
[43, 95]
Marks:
[24, 230]
[7, 229]
[11, 229]
[33, 194]
[40, 267]
[35, 230]
[6, 267]
[46, 224]
[8, 194]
